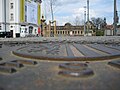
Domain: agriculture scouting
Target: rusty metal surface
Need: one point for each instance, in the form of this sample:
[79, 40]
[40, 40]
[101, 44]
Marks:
[52, 51]
[75, 70]
[44, 75]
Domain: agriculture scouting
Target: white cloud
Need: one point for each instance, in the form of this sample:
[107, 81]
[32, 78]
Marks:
[67, 10]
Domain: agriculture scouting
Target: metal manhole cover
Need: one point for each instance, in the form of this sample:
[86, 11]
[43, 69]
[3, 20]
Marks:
[68, 51]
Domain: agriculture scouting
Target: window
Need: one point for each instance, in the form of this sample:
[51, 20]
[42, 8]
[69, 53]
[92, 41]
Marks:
[0, 27]
[58, 32]
[25, 30]
[25, 8]
[63, 32]
[11, 5]
[73, 32]
[35, 31]
[11, 17]
[11, 26]
[25, 18]
[68, 32]
[81, 32]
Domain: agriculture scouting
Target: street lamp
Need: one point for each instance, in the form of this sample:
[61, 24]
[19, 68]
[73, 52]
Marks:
[115, 23]
[5, 15]
[51, 5]
[42, 25]
[84, 20]
[87, 17]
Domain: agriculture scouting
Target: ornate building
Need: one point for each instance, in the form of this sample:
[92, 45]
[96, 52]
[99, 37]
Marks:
[66, 30]
[19, 18]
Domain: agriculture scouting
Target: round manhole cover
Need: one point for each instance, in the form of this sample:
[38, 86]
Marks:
[68, 51]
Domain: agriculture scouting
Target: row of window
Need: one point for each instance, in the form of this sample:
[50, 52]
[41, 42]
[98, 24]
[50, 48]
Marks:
[11, 5]
[68, 32]
[11, 15]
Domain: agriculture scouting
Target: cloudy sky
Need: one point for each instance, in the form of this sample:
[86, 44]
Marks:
[68, 10]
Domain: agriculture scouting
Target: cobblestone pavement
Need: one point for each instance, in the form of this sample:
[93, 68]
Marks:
[44, 74]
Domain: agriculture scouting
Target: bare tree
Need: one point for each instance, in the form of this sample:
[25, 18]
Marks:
[50, 7]
[77, 21]
[99, 23]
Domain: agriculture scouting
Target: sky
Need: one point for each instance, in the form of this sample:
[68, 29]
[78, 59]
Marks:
[67, 10]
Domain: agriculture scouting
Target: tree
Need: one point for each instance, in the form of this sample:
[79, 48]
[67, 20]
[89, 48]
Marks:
[50, 7]
[99, 23]
[77, 21]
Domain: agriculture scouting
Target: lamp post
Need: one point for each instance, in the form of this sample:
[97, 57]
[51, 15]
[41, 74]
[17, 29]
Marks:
[84, 20]
[51, 5]
[87, 17]
[5, 15]
[115, 24]
[42, 25]
[88, 10]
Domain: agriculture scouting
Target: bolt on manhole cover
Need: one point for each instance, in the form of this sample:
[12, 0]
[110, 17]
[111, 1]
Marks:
[75, 70]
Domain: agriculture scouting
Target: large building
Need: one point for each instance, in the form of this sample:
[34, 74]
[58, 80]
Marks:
[66, 30]
[19, 18]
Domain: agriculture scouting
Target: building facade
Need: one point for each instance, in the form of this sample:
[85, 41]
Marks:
[4, 26]
[20, 18]
[66, 30]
